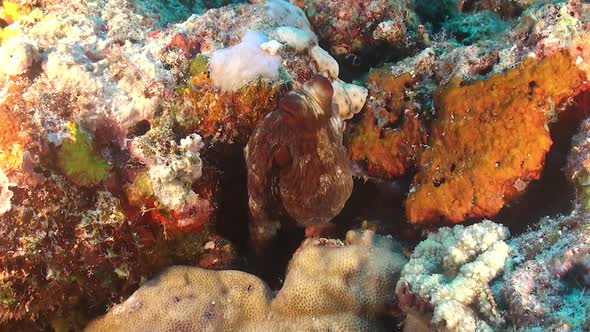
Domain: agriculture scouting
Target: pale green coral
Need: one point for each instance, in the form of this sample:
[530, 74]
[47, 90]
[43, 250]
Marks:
[81, 163]
[199, 65]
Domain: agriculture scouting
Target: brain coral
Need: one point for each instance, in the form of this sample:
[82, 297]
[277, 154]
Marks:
[490, 139]
[330, 285]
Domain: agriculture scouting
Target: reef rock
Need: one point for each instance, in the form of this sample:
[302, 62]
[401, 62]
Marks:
[546, 278]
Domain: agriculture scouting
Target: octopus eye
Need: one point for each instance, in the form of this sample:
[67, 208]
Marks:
[321, 88]
[293, 106]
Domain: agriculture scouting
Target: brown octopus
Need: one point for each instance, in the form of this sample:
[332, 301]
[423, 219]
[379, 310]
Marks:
[298, 168]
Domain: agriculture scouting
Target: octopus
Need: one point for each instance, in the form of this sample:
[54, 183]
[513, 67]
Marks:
[298, 168]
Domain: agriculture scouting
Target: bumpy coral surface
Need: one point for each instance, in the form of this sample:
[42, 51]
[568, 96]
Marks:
[450, 272]
[297, 165]
[489, 136]
[330, 285]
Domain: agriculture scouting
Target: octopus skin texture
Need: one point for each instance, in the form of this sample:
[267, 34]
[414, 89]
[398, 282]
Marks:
[298, 169]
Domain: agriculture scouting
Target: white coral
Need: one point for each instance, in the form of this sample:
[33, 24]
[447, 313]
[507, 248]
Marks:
[452, 269]
[172, 180]
[5, 194]
[324, 61]
[350, 98]
[17, 56]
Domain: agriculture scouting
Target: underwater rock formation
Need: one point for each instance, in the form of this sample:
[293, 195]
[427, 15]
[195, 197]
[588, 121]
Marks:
[297, 166]
[330, 285]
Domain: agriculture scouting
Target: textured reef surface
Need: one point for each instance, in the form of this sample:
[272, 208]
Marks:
[275, 165]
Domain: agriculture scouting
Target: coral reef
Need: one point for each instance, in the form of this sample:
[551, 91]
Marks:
[67, 250]
[330, 284]
[61, 246]
[297, 165]
[450, 272]
[227, 101]
[122, 130]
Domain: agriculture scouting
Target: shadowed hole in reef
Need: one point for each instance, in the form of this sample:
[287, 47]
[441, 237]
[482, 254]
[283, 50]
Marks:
[232, 219]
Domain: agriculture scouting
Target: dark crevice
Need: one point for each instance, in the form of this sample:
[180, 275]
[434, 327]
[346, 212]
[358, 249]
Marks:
[232, 218]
